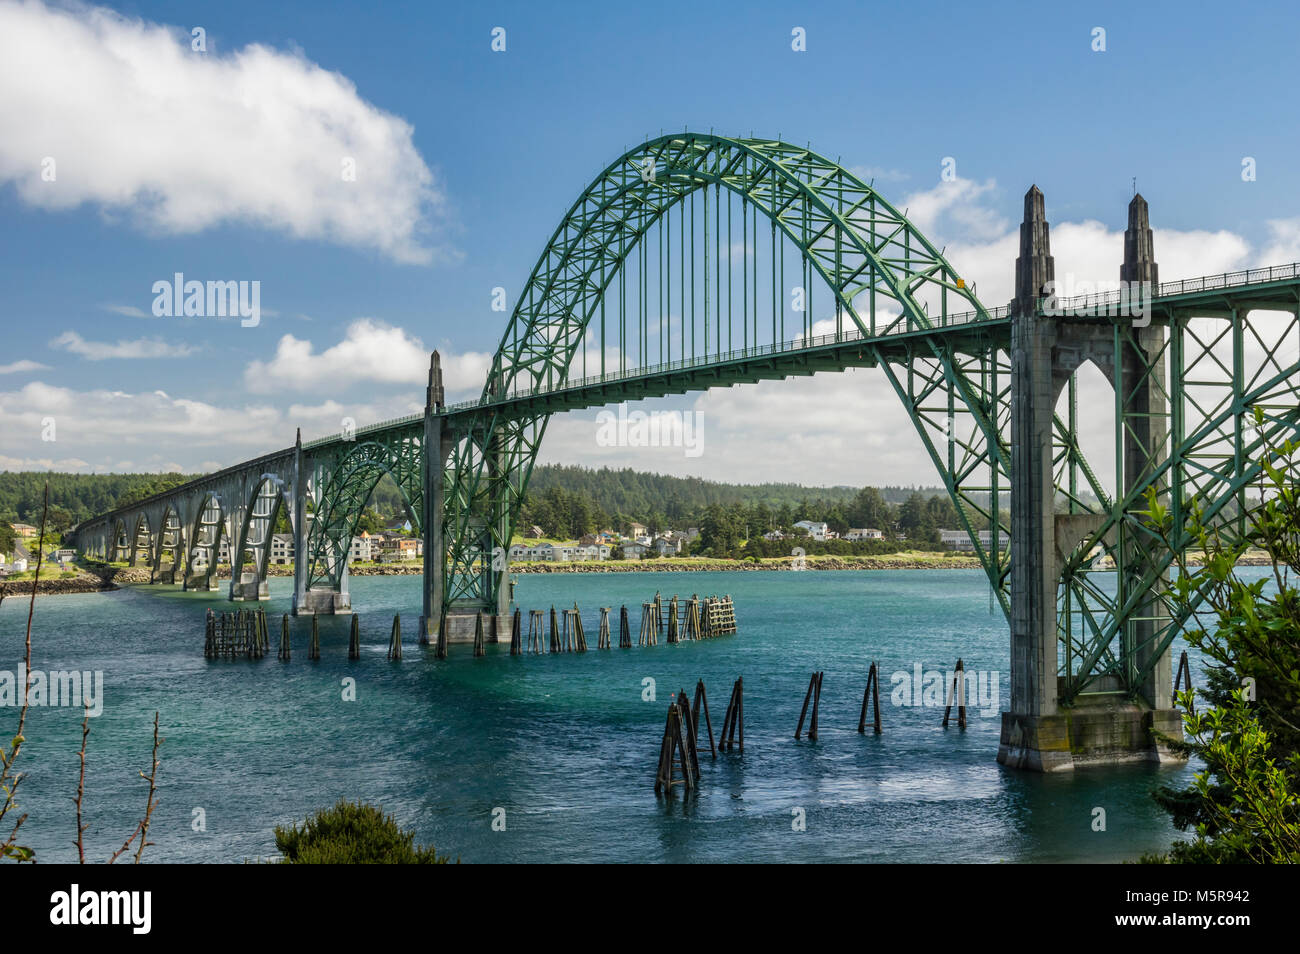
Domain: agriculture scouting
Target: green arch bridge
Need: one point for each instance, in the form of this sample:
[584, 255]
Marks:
[697, 261]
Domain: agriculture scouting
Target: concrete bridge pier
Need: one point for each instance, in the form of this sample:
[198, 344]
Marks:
[462, 616]
[1114, 724]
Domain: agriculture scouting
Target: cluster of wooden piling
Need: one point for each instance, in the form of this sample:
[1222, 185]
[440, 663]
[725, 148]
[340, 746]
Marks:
[679, 762]
[694, 618]
[679, 759]
[871, 698]
[238, 635]
[244, 635]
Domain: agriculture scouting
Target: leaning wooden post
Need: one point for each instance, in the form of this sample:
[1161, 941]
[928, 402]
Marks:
[807, 698]
[735, 718]
[555, 631]
[354, 638]
[875, 686]
[959, 692]
[702, 701]
[1183, 684]
[395, 641]
[740, 711]
[873, 682]
[817, 698]
[688, 723]
[624, 629]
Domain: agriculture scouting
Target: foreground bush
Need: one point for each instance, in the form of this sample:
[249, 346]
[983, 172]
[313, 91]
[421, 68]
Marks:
[352, 833]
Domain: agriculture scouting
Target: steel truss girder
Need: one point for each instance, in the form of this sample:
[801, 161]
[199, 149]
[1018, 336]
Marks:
[343, 476]
[1213, 446]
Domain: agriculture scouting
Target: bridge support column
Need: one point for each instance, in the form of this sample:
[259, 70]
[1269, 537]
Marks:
[1039, 733]
[317, 600]
[435, 460]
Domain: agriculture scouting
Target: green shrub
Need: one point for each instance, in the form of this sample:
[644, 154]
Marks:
[352, 833]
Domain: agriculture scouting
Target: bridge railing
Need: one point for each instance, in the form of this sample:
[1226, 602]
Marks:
[803, 343]
[1185, 286]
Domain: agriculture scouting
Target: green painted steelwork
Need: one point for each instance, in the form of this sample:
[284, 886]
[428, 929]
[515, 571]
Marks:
[662, 278]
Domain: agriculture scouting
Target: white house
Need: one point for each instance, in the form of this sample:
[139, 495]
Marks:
[960, 539]
[282, 548]
[635, 551]
[774, 535]
[816, 529]
[360, 549]
[868, 533]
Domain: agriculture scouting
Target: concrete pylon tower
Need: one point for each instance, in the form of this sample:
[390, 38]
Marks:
[1139, 250]
[1035, 266]
[1040, 732]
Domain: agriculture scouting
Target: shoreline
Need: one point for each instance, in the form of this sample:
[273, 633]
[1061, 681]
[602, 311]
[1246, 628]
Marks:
[99, 578]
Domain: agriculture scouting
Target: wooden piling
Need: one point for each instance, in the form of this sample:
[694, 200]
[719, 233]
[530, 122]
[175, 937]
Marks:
[873, 683]
[555, 631]
[602, 638]
[516, 633]
[354, 638]
[480, 649]
[209, 635]
[579, 634]
[1181, 683]
[692, 628]
[958, 692]
[675, 752]
[285, 647]
[672, 620]
[313, 650]
[702, 701]
[624, 629]
[813, 695]
[395, 639]
[536, 630]
[734, 718]
[440, 648]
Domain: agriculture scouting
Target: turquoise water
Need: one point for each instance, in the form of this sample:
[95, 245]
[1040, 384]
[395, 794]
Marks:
[564, 744]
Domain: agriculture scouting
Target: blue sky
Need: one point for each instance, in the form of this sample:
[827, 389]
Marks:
[500, 144]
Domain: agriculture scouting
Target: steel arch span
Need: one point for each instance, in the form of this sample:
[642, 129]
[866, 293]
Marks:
[670, 274]
[886, 279]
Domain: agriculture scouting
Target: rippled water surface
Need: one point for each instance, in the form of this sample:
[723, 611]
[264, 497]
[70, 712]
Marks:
[565, 744]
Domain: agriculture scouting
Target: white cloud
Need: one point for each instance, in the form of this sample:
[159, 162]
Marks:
[135, 348]
[106, 430]
[129, 311]
[138, 122]
[370, 351]
[21, 366]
